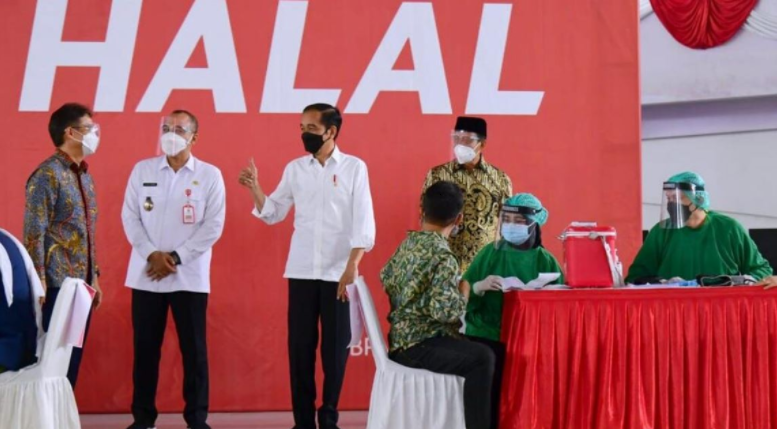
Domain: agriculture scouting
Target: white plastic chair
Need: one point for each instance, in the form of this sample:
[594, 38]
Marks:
[402, 397]
[39, 396]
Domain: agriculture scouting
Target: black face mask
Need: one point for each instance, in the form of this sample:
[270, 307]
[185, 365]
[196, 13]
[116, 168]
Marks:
[312, 142]
[686, 212]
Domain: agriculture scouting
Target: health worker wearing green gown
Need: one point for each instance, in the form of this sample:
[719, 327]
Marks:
[691, 241]
[516, 252]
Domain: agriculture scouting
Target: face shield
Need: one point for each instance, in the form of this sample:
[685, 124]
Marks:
[175, 135]
[677, 204]
[465, 146]
[515, 228]
[86, 130]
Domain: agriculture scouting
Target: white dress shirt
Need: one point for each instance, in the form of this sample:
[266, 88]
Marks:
[333, 214]
[163, 229]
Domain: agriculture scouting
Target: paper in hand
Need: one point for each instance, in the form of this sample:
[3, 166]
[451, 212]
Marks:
[357, 320]
[514, 283]
[79, 313]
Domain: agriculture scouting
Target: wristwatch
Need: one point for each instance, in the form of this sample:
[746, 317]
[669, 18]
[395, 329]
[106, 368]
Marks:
[176, 258]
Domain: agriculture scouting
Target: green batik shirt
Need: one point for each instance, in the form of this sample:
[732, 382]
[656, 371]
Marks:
[422, 282]
[485, 188]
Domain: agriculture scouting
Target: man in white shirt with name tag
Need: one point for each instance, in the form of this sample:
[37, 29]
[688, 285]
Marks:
[173, 214]
[334, 225]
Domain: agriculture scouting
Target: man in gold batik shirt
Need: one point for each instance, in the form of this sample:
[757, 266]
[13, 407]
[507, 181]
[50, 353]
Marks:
[484, 187]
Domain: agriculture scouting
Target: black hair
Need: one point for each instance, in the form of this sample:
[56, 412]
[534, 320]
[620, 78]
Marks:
[442, 203]
[66, 116]
[191, 116]
[535, 239]
[330, 115]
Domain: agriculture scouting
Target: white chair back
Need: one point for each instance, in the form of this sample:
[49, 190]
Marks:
[39, 396]
[374, 333]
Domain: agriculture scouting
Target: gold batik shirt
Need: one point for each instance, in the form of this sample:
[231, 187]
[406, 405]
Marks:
[485, 188]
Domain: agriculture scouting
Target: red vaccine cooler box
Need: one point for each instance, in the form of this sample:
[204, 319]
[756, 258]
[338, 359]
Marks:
[590, 256]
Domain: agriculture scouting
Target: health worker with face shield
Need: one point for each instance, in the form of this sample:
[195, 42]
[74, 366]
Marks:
[693, 242]
[516, 252]
[174, 211]
[484, 187]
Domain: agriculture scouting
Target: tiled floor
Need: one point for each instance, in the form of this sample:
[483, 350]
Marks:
[277, 420]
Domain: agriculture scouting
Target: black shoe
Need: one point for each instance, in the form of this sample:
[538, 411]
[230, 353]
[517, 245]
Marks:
[137, 426]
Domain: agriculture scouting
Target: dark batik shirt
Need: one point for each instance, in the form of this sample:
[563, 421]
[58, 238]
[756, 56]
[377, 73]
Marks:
[485, 188]
[59, 220]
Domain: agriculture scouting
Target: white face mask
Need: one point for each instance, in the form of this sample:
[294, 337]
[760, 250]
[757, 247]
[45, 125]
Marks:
[172, 144]
[89, 143]
[464, 154]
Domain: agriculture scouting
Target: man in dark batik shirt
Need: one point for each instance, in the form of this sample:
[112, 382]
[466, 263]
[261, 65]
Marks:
[61, 212]
[484, 187]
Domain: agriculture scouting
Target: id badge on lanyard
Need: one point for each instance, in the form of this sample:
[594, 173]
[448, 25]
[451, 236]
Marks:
[189, 218]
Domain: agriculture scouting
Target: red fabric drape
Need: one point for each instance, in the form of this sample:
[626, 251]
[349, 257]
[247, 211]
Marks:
[668, 359]
[702, 24]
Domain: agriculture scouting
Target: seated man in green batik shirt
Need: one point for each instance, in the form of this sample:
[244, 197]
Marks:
[428, 301]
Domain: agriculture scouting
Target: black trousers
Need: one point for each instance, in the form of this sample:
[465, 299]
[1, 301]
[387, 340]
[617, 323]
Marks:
[499, 351]
[78, 352]
[149, 320]
[459, 356]
[311, 301]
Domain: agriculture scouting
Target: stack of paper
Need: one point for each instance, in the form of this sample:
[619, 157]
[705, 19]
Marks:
[514, 283]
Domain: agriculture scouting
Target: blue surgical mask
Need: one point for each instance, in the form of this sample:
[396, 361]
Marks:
[515, 233]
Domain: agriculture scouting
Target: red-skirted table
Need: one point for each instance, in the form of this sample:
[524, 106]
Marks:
[660, 358]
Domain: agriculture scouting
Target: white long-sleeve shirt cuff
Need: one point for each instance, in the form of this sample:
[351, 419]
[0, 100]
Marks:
[184, 255]
[363, 242]
[267, 211]
[145, 250]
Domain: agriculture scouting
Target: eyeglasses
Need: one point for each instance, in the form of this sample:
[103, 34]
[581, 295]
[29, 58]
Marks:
[87, 128]
[176, 129]
[465, 138]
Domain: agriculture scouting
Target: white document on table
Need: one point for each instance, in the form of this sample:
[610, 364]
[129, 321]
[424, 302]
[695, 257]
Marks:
[514, 283]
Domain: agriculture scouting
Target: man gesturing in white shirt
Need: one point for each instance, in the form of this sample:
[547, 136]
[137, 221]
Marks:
[334, 225]
[173, 214]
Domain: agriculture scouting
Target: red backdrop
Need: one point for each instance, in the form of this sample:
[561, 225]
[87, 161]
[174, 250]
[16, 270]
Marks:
[576, 147]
